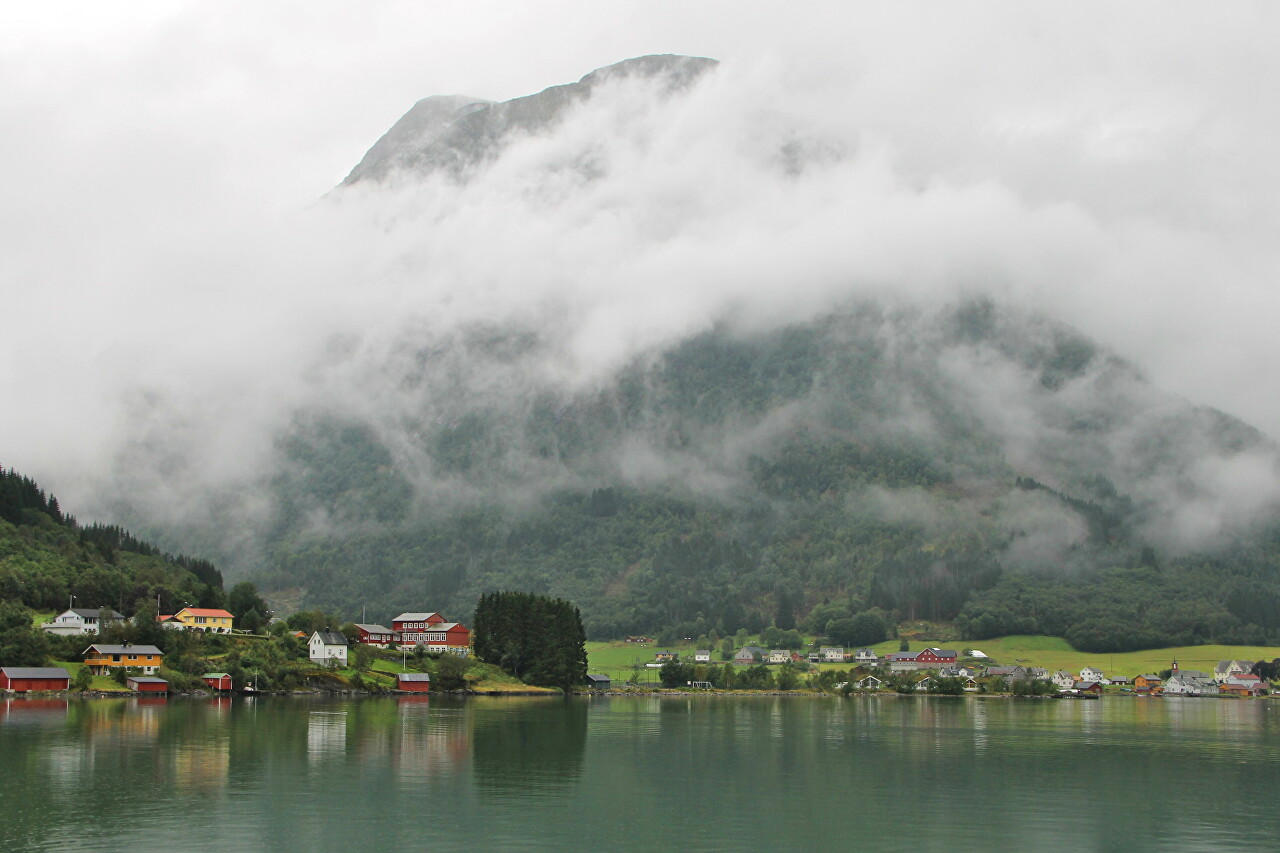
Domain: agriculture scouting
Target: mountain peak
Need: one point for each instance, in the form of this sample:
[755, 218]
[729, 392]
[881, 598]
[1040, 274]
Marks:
[450, 132]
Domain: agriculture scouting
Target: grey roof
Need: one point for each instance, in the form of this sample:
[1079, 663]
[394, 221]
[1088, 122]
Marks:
[943, 653]
[415, 617]
[755, 650]
[96, 613]
[331, 638]
[34, 671]
[702, 652]
[597, 678]
[374, 629]
[146, 679]
[413, 676]
[124, 650]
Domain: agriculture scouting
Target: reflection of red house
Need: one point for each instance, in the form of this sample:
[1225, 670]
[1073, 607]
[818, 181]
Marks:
[20, 679]
[146, 684]
[413, 682]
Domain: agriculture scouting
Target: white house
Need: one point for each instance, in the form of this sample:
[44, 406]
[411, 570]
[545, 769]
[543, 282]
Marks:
[1065, 681]
[80, 620]
[1227, 668]
[832, 654]
[779, 656]
[326, 646]
[1190, 683]
[865, 656]
[702, 656]
[868, 683]
[1092, 673]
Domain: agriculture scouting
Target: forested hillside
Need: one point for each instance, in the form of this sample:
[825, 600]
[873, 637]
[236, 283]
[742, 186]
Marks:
[46, 557]
[739, 480]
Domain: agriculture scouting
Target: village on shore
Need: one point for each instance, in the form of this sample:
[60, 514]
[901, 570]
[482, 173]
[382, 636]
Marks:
[942, 670]
[138, 664]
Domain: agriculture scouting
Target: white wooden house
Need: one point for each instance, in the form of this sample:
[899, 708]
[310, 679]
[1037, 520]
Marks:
[81, 620]
[328, 647]
[1092, 673]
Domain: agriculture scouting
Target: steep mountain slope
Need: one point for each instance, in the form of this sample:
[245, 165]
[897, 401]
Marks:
[937, 458]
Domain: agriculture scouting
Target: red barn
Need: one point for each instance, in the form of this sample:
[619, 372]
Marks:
[935, 658]
[20, 679]
[217, 680]
[146, 684]
[413, 682]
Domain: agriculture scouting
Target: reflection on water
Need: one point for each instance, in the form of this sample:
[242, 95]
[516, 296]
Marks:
[531, 746]
[695, 773]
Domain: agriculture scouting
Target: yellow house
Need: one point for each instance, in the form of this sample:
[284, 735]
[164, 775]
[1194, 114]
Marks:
[202, 619]
[101, 659]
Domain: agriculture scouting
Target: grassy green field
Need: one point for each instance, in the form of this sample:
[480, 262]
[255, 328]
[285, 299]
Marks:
[615, 658]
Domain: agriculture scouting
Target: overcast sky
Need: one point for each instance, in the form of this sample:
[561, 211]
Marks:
[1115, 167]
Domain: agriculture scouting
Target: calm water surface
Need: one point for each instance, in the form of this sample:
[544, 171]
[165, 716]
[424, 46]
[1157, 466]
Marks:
[702, 773]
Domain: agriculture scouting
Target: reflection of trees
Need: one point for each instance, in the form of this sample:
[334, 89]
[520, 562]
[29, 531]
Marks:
[532, 747]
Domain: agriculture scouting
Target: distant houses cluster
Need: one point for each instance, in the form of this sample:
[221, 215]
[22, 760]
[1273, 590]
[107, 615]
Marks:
[1230, 677]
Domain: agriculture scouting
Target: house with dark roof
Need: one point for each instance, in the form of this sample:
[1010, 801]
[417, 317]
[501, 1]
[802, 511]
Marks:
[1227, 668]
[21, 679]
[595, 681]
[1148, 683]
[866, 657]
[81, 620]
[101, 659]
[327, 647]
[748, 655]
[376, 635]
[1243, 685]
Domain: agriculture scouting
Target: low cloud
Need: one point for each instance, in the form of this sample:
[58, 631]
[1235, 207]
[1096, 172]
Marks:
[179, 301]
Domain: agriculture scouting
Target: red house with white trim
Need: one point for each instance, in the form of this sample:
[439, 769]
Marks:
[217, 680]
[933, 658]
[21, 679]
[376, 635]
[413, 625]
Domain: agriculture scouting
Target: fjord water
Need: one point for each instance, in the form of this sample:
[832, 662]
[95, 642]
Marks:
[639, 773]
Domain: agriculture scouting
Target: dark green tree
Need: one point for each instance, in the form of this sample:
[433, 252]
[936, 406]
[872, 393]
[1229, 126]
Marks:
[21, 644]
[243, 598]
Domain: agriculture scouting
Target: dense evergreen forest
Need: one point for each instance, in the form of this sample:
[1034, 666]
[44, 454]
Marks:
[47, 558]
